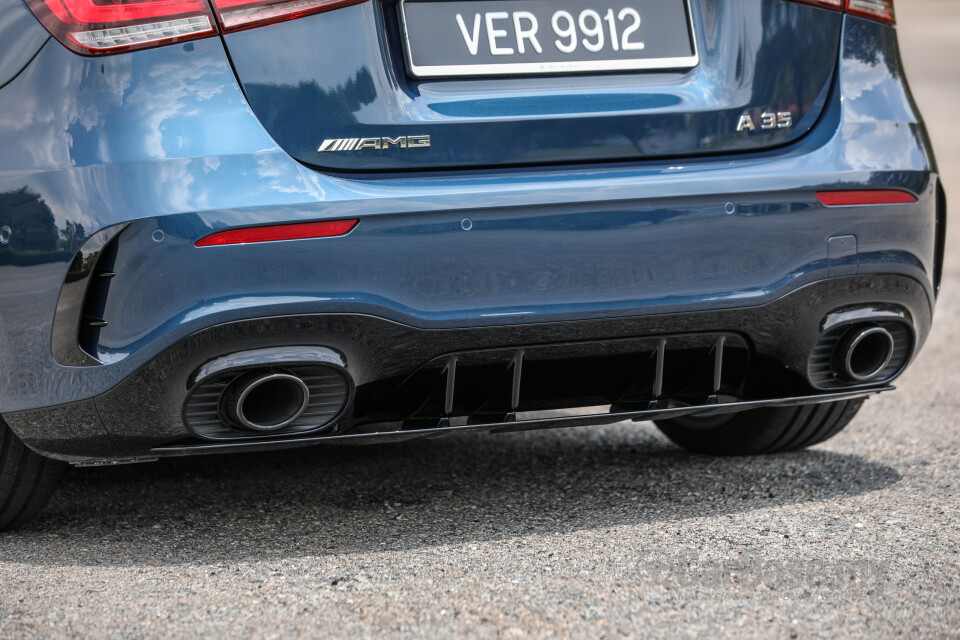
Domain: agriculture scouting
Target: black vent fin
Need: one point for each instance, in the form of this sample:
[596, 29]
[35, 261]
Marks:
[95, 301]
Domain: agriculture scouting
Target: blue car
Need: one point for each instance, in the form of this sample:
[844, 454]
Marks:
[247, 225]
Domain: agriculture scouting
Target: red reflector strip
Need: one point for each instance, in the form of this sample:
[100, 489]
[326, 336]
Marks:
[857, 198]
[327, 229]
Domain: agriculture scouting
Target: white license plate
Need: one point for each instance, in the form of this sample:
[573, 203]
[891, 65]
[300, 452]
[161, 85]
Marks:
[450, 38]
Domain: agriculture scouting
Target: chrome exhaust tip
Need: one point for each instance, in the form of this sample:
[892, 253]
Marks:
[863, 353]
[265, 401]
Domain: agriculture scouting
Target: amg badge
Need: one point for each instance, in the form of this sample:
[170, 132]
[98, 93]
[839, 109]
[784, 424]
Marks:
[380, 144]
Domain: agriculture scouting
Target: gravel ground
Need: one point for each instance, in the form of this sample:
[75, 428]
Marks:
[601, 532]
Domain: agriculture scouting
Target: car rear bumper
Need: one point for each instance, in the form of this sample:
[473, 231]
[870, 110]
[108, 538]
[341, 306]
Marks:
[400, 384]
[165, 148]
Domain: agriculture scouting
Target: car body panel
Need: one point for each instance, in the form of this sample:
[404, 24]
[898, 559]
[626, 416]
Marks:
[749, 51]
[22, 37]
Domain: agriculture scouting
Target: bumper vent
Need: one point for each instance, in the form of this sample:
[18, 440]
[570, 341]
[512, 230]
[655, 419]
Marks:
[83, 299]
[941, 237]
[95, 302]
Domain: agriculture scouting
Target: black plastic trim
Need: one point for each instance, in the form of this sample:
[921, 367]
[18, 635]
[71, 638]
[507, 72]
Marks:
[515, 426]
[76, 322]
[213, 378]
[941, 238]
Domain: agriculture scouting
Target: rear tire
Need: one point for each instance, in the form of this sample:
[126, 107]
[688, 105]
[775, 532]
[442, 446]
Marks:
[771, 430]
[27, 480]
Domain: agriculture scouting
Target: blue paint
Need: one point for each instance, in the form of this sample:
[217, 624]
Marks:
[22, 37]
[305, 94]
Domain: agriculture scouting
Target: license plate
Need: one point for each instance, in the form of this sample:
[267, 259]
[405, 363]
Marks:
[450, 38]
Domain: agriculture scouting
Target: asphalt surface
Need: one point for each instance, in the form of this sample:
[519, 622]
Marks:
[602, 532]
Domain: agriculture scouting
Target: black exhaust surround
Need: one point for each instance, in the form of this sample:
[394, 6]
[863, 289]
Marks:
[826, 369]
[526, 386]
[210, 411]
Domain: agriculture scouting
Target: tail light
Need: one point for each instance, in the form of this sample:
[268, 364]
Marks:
[99, 27]
[96, 27]
[245, 14]
[881, 10]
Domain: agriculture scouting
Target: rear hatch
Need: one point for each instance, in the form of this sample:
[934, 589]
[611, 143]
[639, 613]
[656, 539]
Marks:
[414, 84]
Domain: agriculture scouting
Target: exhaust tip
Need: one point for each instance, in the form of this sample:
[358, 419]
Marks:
[864, 353]
[265, 402]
